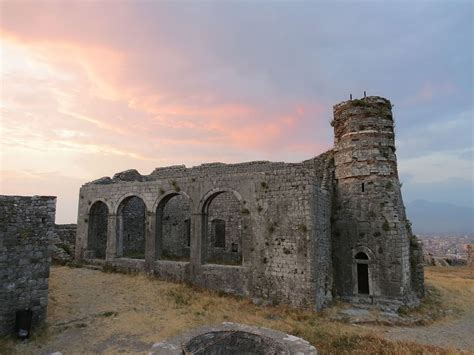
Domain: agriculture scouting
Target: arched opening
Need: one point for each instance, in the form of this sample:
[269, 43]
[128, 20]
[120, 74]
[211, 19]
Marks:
[173, 228]
[131, 228]
[222, 229]
[362, 262]
[97, 230]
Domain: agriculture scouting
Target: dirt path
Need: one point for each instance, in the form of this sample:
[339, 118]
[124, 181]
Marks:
[458, 333]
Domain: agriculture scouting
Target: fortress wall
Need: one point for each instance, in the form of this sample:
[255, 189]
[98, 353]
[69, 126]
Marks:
[271, 205]
[26, 230]
[64, 242]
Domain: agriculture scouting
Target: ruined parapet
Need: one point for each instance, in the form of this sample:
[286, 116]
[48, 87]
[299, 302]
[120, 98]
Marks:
[26, 230]
[470, 255]
[63, 243]
[371, 235]
[417, 264]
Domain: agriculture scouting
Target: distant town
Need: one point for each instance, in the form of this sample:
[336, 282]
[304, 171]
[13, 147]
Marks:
[452, 247]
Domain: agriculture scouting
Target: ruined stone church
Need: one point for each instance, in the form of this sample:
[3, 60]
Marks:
[303, 234]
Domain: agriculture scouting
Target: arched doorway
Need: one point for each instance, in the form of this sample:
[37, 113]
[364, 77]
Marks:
[97, 230]
[131, 228]
[173, 228]
[362, 272]
[222, 229]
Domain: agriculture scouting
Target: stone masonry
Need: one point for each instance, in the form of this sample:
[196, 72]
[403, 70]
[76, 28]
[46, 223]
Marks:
[26, 228]
[333, 226]
[63, 243]
[470, 255]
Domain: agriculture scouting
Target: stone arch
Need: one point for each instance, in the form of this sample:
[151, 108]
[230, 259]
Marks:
[126, 196]
[131, 224]
[100, 199]
[210, 195]
[226, 205]
[363, 271]
[173, 226]
[167, 196]
[97, 229]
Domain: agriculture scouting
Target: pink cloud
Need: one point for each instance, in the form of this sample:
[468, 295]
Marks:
[430, 91]
[86, 107]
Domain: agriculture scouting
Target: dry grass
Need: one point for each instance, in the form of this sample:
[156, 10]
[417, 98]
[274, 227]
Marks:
[91, 311]
[455, 285]
[449, 293]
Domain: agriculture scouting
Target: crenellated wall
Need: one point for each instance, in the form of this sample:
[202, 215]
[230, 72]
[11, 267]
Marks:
[26, 230]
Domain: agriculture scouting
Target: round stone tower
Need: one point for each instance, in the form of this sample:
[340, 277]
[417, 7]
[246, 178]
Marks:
[373, 249]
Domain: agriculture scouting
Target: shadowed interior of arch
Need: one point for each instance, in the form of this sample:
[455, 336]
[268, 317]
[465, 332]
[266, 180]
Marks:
[223, 229]
[97, 230]
[131, 228]
[173, 228]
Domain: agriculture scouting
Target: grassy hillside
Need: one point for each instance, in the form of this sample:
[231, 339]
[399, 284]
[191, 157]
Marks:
[92, 311]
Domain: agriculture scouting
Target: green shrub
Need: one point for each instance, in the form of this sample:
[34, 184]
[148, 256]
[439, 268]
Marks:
[244, 211]
[302, 228]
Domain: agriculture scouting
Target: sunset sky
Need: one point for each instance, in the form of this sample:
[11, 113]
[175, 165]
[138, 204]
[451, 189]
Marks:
[89, 88]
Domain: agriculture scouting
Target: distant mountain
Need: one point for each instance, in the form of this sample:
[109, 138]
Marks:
[440, 218]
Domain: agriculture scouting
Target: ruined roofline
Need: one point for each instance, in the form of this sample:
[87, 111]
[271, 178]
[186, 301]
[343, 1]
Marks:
[361, 101]
[29, 196]
[176, 171]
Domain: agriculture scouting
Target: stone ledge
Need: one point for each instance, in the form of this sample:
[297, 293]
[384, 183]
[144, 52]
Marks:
[218, 336]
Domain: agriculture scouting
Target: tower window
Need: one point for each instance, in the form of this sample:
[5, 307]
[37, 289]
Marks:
[363, 187]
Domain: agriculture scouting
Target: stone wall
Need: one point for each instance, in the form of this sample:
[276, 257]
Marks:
[270, 210]
[176, 229]
[63, 243]
[470, 255]
[132, 226]
[226, 210]
[26, 230]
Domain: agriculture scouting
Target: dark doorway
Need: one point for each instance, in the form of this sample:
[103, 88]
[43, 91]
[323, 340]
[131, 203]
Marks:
[97, 234]
[363, 278]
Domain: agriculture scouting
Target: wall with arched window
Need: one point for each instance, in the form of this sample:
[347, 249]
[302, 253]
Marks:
[131, 215]
[97, 230]
[173, 228]
[223, 230]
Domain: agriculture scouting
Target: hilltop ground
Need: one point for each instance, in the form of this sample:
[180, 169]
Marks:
[92, 311]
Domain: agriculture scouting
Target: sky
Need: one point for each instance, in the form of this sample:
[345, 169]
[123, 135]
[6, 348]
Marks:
[91, 88]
